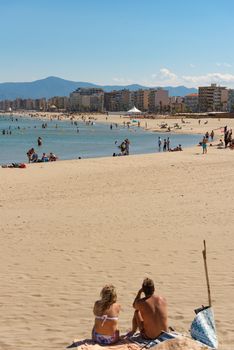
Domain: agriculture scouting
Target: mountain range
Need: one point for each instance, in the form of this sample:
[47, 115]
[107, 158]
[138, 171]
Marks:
[54, 86]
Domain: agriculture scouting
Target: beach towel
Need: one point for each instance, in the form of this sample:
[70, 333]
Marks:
[89, 344]
[147, 344]
[203, 328]
[178, 343]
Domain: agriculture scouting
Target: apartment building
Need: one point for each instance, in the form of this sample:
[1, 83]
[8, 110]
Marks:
[60, 102]
[191, 103]
[6, 105]
[230, 104]
[176, 104]
[158, 100]
[140, 99]
[87, 99]
[212, 98]
[116, 101]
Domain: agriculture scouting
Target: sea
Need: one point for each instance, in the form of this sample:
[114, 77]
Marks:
[70, 141]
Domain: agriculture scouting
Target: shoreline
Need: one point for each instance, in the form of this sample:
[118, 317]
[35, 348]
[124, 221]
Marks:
[188, 127]
[99, 119]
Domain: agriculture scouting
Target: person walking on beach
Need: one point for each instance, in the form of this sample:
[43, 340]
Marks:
[106, 312]
[212, 135]
[204, 145]
[226, 138]
[168, 144]
[150, 316]
[159, 144]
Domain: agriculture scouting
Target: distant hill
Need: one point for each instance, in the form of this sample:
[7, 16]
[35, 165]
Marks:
[54, 86]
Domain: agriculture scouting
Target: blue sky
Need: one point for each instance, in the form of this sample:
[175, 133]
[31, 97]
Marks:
[150, 42]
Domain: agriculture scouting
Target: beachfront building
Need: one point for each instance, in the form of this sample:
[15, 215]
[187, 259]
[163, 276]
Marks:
[230, 105]
[140, 99]
[6, 105]
[117, 100]
[61, 102]
[28, 104]
[212, 98]
[158, 100]
[191, 103]
[39, 104]
[87, 100]
[176, 104]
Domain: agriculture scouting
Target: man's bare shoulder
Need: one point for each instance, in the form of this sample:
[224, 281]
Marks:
[159, 300]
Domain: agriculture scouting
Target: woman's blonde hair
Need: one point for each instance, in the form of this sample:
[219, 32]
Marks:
[108, 297]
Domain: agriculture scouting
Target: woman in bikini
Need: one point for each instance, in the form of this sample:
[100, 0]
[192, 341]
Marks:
[106, 311]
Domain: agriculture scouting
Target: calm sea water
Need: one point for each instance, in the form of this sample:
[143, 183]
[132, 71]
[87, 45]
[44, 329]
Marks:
[96, 140]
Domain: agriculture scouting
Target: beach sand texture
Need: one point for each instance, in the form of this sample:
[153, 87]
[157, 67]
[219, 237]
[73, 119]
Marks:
[68, 228]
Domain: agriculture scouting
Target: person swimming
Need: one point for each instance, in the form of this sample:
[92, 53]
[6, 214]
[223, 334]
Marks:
[106, 312]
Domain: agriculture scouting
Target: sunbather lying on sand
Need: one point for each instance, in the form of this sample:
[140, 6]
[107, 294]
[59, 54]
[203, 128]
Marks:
[175, 149]
[106, 311]
[151, 312]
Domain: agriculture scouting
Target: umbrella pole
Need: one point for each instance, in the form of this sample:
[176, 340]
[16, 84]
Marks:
[206, 271]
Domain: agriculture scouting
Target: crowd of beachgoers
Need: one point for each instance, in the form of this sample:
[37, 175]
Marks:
[124, 147]
[32, 154]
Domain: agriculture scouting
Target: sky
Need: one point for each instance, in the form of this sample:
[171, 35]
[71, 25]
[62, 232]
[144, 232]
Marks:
[118, 42]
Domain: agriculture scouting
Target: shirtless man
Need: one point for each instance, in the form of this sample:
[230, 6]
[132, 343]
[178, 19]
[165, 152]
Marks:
[151, 312]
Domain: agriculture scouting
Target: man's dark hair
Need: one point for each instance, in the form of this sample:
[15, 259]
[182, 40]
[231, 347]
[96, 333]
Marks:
[148, 287]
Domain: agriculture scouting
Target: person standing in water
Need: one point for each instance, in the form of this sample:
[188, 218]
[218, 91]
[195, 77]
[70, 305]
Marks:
[159, 143]
[39, 141]
[168, 144]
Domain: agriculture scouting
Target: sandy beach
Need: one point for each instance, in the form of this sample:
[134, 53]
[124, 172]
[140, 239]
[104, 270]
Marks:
[70, 227]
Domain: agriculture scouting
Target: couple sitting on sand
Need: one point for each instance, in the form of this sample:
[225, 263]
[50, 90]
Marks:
[150, 315]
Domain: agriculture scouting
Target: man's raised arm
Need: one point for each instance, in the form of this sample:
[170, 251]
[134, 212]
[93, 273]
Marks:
[136, 300]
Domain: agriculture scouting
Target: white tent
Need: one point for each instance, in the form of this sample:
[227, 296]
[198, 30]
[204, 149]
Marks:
[134, 110]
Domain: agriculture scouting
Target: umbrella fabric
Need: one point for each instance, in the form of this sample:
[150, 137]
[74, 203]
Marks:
[203, 328]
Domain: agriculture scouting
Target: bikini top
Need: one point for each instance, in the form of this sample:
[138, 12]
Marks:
[104, 318]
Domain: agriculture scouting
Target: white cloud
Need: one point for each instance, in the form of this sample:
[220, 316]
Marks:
[165, 73]
[167, 77]
[192, 65]
[164, 77]
[224, 64]
[209, 78]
